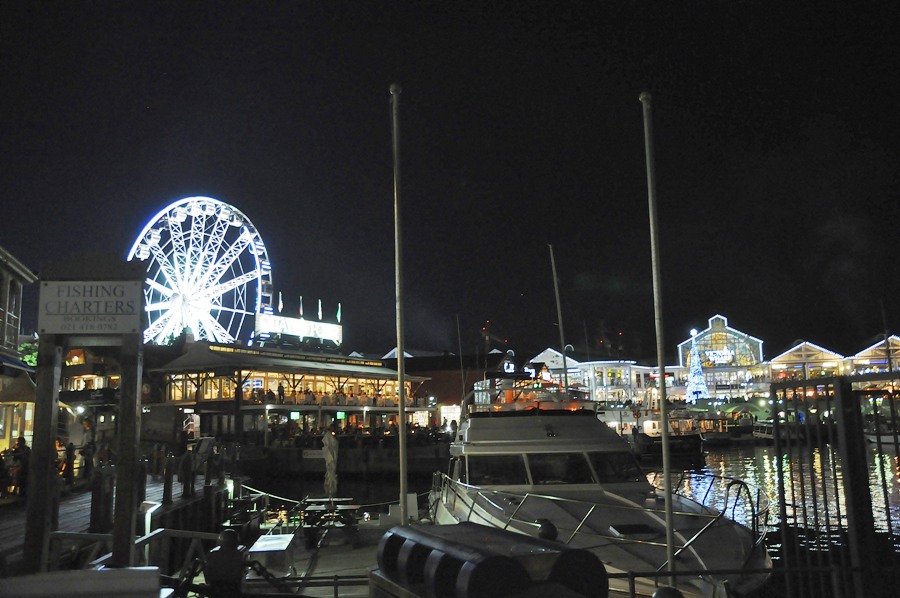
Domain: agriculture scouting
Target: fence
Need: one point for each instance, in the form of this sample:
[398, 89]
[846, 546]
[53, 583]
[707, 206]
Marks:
[836, 490]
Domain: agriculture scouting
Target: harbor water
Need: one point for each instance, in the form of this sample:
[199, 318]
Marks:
[820, 468]
[755, 464]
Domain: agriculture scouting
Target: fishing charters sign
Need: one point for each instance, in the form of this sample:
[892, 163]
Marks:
[90, 307]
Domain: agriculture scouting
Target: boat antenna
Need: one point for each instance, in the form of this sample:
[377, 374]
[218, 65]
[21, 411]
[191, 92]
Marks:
[660, 351]
[562, 336]
[462, 371]
[398, 267]
[887, 338]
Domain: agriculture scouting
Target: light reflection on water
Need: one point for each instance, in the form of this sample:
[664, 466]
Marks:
[754, 464]
[805, 469]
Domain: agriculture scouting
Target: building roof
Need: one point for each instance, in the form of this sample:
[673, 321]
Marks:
[203, 356]
[14, 266]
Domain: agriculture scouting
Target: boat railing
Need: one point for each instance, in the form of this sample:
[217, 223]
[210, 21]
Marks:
[498, 502]
[734, 498]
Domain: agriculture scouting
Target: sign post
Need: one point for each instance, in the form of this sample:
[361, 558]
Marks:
[97, 301]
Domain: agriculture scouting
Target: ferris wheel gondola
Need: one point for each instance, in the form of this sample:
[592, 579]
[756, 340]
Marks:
[207, 270]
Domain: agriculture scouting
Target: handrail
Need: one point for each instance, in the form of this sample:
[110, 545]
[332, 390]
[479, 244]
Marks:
[488, 500]
[759, 506]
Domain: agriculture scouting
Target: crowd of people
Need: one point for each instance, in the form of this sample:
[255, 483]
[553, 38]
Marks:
[15, 464]
[337, 398]
[289, 433]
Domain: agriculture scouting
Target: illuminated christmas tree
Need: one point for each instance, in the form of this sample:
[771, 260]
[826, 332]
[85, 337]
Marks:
[696, 386]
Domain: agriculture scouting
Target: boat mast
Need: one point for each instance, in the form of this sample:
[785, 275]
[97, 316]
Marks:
[562, 337]
[398, 269]
[660, 352]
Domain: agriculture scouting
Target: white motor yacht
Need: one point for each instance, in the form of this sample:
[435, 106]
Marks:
[548, 467]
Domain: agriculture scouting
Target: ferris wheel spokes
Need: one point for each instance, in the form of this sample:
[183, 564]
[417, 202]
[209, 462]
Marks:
[220, 289]
[161, 289]
[179, 251]
[166, 268]
[213, 246]
[154, 331]
[215, 329]
[225, 261]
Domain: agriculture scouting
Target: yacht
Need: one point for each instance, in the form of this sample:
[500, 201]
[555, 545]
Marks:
[546, 466]
[642, 427]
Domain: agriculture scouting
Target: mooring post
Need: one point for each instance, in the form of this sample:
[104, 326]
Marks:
[169, 479]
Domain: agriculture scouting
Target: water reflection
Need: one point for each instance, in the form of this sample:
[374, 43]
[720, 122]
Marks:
[813, 483]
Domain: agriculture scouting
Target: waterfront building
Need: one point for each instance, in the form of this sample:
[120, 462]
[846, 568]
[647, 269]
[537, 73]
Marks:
[204, 388]
[616, 381]
[883, 356]
[16, 383]
[731, 361]
[732, 365]
[806, 361]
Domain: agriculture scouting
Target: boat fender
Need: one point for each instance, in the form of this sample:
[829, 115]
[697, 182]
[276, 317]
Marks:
[546, 530]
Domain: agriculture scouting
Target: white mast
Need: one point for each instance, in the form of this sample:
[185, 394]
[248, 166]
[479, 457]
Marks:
[562, 338]
[398, 266]
[660, 343]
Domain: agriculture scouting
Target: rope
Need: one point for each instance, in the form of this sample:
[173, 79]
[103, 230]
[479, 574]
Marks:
[269, 494]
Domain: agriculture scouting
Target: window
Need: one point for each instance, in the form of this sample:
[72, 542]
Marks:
[559, 468]
[497, 470]
[615, 467]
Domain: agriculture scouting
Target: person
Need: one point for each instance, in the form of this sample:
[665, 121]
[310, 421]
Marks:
[21, 454]
[281, 394]
[224, 570]
[87, 448]
[59, 461]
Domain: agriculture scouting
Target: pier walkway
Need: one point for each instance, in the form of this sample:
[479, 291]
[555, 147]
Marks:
[74, 516]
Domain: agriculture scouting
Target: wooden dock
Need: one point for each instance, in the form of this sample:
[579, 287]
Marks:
[75, 516]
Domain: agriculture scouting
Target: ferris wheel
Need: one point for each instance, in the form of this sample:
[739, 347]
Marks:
[207, 270]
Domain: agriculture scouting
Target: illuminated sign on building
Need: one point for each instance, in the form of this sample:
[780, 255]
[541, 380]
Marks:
[720, 356]
[271, 324]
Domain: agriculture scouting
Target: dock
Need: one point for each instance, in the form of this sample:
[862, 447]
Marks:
[74, 516]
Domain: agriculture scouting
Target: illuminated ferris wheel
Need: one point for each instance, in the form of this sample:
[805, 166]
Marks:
[207, 270]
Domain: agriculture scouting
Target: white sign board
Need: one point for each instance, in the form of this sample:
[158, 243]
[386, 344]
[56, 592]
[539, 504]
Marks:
[271, 324]
[90, 307]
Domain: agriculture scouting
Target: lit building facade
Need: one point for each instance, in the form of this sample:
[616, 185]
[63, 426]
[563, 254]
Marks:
[731, 361]
[16, 384]
[733, 367]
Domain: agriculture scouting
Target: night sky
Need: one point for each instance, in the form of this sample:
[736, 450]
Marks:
[776, 132]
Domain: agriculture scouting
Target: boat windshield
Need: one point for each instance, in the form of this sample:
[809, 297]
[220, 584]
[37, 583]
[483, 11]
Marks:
[491, 470]
[616, 467]
[553, 468]
[559, 468]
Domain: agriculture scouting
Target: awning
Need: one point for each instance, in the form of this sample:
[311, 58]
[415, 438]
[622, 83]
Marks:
[18, 389]
[11, 366]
